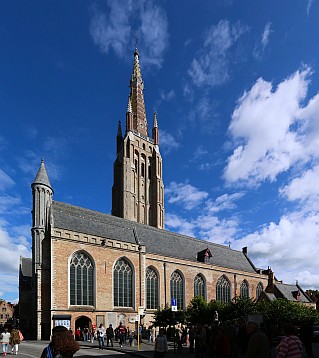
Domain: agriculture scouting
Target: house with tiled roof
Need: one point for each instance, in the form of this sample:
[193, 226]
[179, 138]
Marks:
[276, 289]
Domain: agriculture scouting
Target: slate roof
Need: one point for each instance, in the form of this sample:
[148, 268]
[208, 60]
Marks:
[156, 241]
[26, 266]
[288, 291]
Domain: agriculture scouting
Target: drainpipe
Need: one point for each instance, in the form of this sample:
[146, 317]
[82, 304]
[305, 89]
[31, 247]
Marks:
[165, 298]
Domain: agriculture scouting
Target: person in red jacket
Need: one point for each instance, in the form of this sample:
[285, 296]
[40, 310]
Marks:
[121, 332]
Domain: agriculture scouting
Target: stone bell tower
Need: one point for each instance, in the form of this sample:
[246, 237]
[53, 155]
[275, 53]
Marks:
[138, 190]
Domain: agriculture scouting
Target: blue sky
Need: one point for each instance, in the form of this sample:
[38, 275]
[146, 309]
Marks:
[235, 86]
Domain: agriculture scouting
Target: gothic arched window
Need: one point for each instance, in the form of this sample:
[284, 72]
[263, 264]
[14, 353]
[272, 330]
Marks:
[244, 289]
[223, 290]
[151, 289]
[259, 289]
[123, 284]
[81, 280]
[199, 286]
[177, 289]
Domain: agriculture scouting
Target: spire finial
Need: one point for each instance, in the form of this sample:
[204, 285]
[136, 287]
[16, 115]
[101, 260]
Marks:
[155, 120]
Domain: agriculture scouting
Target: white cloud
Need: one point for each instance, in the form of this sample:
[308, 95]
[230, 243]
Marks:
[223, 202]
[211, 66]
[5, 180]
[167, 141]
[185, 194]
[288, 247]
[182, 226]
[269, 130]
[114, 29]
[167, 96]
[309, 4]
[262, 44]
[305, 187]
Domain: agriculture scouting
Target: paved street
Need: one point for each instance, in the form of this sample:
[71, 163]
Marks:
[33, 349]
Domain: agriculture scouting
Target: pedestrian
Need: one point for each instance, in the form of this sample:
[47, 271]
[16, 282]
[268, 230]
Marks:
[306, 336]
[200, 341]
[100, 336]
[85, 334]
[62, 345]
[14, 340]
[92, 334]
[161, 346]
[290, 346]
[109, 336]
[241, 338]
[121, 330]
[5, 339]
[258, 344]
[191, 339]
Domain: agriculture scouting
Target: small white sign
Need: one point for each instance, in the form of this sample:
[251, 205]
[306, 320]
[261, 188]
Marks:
[141, 311]
[174, 308]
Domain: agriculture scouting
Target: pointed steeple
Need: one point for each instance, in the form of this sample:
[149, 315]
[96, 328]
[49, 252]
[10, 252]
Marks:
[155, 129]
[137, 98]
[119, 138]
[42, 176]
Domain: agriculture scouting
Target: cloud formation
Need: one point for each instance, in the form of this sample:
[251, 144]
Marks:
[210, 67]
[262, 44]
[115, 29]
[272, 130]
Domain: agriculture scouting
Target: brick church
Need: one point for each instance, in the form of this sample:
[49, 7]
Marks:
[89, 267]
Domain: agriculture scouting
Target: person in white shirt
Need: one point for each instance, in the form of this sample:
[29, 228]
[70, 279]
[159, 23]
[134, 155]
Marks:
[5, 338]
[100, 336]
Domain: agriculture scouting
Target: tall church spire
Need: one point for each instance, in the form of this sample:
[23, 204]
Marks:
[138, 189]
[137, 98]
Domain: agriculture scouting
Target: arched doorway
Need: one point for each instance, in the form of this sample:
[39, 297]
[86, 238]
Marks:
[83, 327]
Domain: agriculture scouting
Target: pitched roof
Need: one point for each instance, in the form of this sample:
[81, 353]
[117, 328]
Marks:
[289, 292]
[156, 241]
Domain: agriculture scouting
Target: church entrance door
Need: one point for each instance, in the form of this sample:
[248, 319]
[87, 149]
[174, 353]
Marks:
[83, 327]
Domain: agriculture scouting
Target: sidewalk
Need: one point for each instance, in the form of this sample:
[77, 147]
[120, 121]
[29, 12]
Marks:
[145, 350]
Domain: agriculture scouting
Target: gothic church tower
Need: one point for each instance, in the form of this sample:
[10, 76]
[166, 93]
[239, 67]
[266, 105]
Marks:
[138, 190]
[42, 193]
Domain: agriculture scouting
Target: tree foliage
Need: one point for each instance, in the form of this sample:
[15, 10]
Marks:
[275, 312]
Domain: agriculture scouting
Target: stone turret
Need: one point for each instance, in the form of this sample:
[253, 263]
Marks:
[42, 193]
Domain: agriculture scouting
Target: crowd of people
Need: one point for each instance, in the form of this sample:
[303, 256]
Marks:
[242, 339]
[238, 339]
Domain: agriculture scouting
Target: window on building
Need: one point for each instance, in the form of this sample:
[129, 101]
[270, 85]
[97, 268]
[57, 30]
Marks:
[123, 284]
[81, 280]
[223, 290]
[4, 309]
[151, 289]
[244, 289]
[199, 286]
[1, 316]
[259, 289]
[177, 289]
[143, 170]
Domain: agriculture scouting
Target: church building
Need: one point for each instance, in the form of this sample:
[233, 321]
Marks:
[90, 268]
